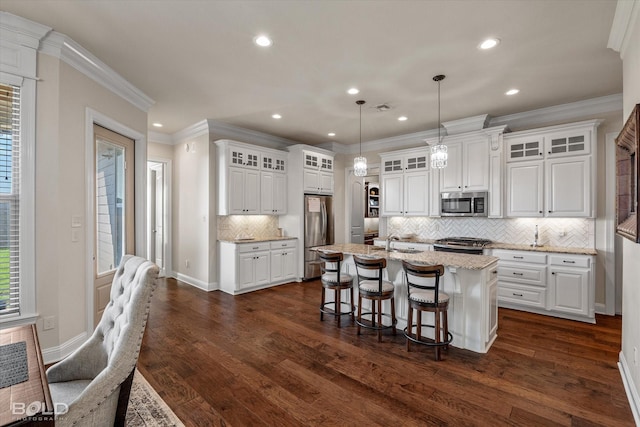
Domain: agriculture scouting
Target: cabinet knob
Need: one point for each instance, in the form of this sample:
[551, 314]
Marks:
[550, 211]
[539, 211]
[553, 272]
[549, 152]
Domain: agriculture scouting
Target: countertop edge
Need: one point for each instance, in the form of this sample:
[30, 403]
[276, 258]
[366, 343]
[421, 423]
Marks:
[257, 240]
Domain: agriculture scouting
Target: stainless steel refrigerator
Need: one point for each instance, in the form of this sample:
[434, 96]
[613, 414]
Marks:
[318, 231]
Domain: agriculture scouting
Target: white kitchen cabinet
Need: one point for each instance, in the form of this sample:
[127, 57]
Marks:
[244, 192]
[525, 189]
[405, 194]
[283, 261]
[251, 180]
[554, 284]
[568, 189]
[250, 266]
[551, 171]
[405, 183]
[273, 195]
[317, 173]
[552, 188]
[467, 166]
[569, 286]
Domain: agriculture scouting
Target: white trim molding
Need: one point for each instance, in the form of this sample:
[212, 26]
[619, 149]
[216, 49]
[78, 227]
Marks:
[67, 50]
[193, 131]
[213, 286]
[630, 388]
[59, 352]
[221, 130]
[627, 12]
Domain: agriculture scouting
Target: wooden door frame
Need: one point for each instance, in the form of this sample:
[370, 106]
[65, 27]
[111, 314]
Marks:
[140, 196]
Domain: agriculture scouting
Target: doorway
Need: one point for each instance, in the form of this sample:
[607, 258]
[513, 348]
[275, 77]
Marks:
[158, 224]
[114, 210]
[362, 220]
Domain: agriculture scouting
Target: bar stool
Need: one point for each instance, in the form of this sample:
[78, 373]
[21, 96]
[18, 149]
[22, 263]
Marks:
[372, 287]
[423, 291]
[333, 279]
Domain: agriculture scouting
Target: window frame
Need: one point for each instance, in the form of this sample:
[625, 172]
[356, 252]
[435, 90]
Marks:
[27, 312]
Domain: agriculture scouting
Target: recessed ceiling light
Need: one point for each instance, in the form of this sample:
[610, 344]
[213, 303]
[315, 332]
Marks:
[263, 41]
[489, 43]
[512, 92]
[276, 116]
[331, 134]
[157, 125]
[353, 91]
[402, 118]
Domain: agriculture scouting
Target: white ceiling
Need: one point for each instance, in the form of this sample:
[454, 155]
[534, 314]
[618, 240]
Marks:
[197, 61]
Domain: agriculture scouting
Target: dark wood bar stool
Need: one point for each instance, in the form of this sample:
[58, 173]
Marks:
[371, 286]
[423, 282]
[333, 279]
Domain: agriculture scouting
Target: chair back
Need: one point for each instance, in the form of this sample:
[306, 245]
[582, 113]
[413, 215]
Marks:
[370, 269]
[89, 379]
[423, 276]
[331, 262]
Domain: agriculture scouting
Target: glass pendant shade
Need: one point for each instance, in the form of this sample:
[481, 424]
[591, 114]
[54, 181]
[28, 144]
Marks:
[439, 156]
[439, 153]
[360, 162]
[360, 166]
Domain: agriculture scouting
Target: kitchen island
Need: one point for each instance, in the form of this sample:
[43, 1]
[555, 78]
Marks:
[470, 281]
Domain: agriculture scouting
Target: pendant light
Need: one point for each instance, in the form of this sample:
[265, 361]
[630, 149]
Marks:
[439, 150]
[360, 163]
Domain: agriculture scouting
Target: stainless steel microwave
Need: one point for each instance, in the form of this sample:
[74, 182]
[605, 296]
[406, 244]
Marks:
[464, 204]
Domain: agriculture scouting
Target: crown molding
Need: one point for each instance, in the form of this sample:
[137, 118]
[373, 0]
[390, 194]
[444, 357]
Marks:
[159, 137]
[624, 20]
[64, 48]
[21, 31]
[563, 112]
[337, 147]
[193, 131]
[227, 131]
[468, 124]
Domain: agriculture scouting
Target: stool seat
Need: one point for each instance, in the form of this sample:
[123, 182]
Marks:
[332, 278]
[335, 280]
[373, 286]
[428, 297]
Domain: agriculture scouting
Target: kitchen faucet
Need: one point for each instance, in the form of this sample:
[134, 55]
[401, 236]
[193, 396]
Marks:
[389, 239]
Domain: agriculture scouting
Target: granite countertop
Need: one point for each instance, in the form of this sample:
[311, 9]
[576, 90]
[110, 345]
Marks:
[513, 247]
[258, 239]
[448, 259]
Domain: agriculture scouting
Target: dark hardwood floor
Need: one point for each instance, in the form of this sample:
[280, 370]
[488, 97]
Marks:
[265, 358]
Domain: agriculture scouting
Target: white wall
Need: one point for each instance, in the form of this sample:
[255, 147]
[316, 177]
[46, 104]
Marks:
[630, 250]
[63, 95]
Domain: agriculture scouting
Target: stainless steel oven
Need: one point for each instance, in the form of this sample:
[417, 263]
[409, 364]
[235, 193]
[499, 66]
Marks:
[464, 204]
[461, 245]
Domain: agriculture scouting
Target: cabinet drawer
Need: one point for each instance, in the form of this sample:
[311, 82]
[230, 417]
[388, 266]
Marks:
[283, 244]
[570, 261]
[532, 257]
[522, 294]
[253, 247]
[532, 275]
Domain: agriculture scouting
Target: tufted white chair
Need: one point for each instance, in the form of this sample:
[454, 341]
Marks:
[90, 379]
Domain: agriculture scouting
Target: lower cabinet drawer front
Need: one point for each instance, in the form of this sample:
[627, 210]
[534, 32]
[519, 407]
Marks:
[252, 247]
[522, 294]
[531, 275]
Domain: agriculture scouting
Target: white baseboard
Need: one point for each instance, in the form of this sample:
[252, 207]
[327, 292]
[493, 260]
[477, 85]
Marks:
[196, 283]
[54, 354]
[601, 308]
[630, 388]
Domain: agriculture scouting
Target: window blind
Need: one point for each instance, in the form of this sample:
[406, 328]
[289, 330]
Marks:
[9, 199]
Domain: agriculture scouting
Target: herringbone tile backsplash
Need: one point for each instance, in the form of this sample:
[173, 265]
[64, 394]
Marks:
[567, 232]
[257, 226]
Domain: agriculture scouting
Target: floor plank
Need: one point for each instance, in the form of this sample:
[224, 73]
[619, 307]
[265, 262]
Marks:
[265, 358]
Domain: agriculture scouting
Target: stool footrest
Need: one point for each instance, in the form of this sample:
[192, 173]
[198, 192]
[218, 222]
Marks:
[430, 341]
[376, 328]
[334, 312]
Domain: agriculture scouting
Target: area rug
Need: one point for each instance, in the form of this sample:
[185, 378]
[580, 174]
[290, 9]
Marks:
[146, 408]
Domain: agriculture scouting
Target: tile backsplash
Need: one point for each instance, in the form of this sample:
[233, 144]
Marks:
[567, 232]
[258, 226]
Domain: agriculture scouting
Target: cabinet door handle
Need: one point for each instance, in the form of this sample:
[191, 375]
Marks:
[517, 295]
[494, 272]
[553, 272]
[568, 261]
[550, 211]
[518, 257]
[517, 274]
[256, 247]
